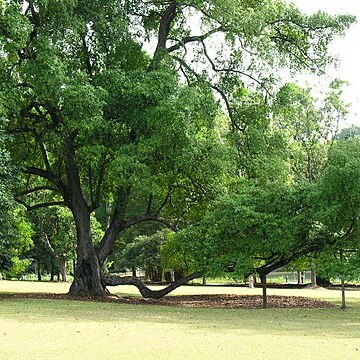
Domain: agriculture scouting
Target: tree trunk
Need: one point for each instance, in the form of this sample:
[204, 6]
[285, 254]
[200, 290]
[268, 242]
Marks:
[313, 275]
[52, 273]
[38, 270]
[264, 294]
[62, 263]
[320, 281]
[343, 300]
[251, 281]
[87, 277]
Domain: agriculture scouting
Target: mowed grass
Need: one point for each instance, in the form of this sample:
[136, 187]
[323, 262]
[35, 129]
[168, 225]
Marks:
[56, 329]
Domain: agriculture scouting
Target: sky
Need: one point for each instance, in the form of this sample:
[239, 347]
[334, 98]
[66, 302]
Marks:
[347, 49]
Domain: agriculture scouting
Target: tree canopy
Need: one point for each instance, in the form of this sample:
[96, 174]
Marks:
[98, 121]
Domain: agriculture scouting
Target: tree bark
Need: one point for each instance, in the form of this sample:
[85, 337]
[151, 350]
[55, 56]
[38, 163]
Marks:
[251, 281]
[114, 280]
[204, 280]
[313, 275]
[62, 263]
[264, 288]
[343, 300]
[87, 276]
[38, 270]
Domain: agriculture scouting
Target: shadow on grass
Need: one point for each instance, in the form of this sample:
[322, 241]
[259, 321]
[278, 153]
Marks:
[296, 322]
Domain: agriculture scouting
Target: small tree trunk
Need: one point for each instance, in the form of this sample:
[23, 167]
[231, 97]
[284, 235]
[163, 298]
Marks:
[298, 273]
[251, 281]
[38, 270]
[204, 280]
[134, 271]
[62, 262]
[52, 273]
[264, 288]
[343, 300]
[313, 274]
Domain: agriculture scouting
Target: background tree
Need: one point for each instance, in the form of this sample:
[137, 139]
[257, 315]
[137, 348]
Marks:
[338, 212]
[255, 228]
[54, 237]
[15, 230]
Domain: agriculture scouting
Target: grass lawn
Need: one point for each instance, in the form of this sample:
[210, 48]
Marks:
[57, 329]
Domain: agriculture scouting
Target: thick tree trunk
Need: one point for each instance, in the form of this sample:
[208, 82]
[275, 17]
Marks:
[87, 279]
[87, 276]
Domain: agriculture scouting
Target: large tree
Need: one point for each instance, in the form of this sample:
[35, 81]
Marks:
[337, 212]
[95, 120]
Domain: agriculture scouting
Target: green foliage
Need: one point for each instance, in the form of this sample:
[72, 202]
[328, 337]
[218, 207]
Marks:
[348, 132]
[143, 253]
[340, 187]
[98, 123]
[17, 268]
[54, 232]
[172, 256]
[309, 126]
[253, 227]
[15, 244]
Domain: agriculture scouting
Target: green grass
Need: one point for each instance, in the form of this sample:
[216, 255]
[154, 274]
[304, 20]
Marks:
[54, 329]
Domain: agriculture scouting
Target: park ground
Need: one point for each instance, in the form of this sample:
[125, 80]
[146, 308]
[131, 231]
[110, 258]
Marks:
[66, 329]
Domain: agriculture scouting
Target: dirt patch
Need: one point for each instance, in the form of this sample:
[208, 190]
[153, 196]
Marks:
[192, 301]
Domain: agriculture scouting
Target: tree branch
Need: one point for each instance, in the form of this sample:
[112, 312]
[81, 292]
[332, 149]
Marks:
[198, 38]
[167, 197]
[39, 206]
[231, 70]
[115, 279]
[35, 189]
[164, 29]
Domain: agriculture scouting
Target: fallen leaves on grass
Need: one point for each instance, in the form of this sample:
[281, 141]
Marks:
[192, 301]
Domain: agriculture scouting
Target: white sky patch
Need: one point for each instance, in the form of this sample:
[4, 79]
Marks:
[347, 49]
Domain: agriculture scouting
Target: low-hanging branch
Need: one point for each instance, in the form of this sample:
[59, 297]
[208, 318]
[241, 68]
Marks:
[116, 279]
[40, 205]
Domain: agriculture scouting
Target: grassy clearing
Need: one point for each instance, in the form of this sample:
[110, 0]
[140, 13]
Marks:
[45, 329]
